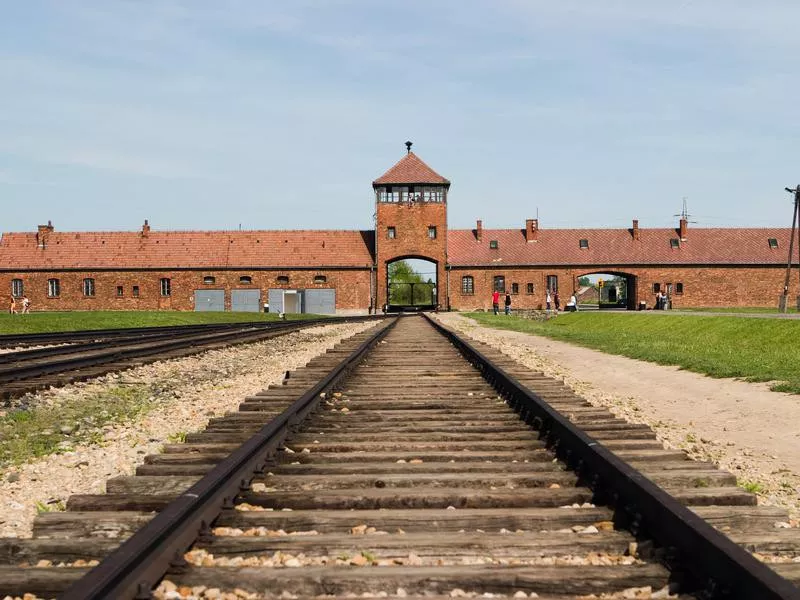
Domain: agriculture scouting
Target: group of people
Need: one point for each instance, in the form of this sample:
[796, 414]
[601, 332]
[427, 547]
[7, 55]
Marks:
[550, 301]
[25, 304]
[662, 301]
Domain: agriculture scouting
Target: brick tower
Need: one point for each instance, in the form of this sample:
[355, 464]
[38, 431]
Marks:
[411, 221]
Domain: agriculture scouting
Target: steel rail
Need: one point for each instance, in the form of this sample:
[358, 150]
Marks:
[142, 348]
[714, 564]
[58, 337]
[140, 562]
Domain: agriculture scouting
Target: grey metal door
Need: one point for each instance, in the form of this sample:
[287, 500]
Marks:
[275, 299]
[321, 301]
[246, 300]
[209, 300]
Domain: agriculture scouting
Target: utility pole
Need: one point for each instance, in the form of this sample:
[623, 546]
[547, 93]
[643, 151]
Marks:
[784, 300]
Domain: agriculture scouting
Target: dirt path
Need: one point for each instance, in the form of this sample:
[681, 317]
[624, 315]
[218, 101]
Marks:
[741, 426]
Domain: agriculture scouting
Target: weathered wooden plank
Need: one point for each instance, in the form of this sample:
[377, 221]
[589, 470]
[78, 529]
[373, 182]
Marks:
[418, 580]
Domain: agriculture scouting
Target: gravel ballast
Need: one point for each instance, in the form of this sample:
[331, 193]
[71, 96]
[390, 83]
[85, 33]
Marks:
[183, 394]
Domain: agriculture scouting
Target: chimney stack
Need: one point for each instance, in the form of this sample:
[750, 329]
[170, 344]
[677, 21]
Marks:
[532, 230]
[479, 230]
[145, 229]
[635, 230]
[43, 233]
[682, 230]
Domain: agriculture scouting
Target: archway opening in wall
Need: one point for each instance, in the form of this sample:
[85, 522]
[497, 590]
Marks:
[411, 285]
[606, 290]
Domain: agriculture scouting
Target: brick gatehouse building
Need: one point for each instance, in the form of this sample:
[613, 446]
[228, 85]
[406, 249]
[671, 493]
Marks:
[346, 271]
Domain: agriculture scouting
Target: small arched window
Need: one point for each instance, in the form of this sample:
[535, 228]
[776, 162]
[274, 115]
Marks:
[88, 287]
[209, 280]
[283, 279]
[320, 279]
[467, 284]
[246, 279]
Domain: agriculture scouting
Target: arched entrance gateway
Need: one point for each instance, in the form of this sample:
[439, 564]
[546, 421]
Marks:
[410, 236]
[607, 290]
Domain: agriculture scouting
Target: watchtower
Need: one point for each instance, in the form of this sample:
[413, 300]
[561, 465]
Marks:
[411, 222]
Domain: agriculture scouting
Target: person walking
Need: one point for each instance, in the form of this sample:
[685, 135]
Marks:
[547, 301]
[26, 305]
[496, 301]
[556, 301]
[508, 303]
[12, 308]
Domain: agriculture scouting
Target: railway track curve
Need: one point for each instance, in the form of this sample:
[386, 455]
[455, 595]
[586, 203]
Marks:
[411, 462]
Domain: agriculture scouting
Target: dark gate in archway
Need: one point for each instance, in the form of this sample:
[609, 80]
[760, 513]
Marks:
[405, 296]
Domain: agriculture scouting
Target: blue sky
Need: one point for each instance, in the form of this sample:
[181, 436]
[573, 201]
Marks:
[208, 114]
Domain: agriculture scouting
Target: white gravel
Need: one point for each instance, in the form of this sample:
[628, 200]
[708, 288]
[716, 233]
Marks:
[190, 391]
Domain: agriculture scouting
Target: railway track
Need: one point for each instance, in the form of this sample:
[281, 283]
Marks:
[105, 351]
[406, 470]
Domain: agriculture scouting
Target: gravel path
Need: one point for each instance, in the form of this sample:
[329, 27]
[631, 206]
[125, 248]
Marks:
[743, 427]
[188, 391]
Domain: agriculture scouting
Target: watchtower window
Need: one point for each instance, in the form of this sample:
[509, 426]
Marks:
[493, 244]
[773, 243]
[432, 232]
[674, 243]
[391, 232]
[583, 244]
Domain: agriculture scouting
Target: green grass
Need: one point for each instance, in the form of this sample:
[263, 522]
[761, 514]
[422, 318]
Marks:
[736, 309]
[752, 486]
[41, 431]
[721, 346]
[44, 322]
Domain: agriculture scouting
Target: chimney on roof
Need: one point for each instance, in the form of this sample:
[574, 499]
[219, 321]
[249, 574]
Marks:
[145, 229]
[635, 230]
[43, 233]
[684, 224]
[478, 230]
[532, 230]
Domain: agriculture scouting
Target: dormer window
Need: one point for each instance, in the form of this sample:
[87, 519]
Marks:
[674, 243]
[493, 244]
[583, 244]
[773, 243]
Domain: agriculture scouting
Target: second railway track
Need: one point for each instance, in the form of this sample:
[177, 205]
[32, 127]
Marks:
[412, 475]
[25, 371]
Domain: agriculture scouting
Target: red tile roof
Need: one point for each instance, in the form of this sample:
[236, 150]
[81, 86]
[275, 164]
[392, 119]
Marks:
[187, 249]
[410, 169]
[617, 247]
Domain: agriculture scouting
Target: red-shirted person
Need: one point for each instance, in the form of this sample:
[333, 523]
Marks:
[496, 301]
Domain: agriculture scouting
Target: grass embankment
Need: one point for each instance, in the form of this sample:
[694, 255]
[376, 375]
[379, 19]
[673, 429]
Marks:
[751, 349]
[45, 322]
[44, 430]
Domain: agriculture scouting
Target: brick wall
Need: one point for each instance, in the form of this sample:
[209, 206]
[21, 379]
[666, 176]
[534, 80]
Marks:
[702, 286]
[411, 221]
[352, 288]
